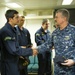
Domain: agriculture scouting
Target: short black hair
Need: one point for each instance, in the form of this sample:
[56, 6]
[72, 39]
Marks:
[10, 13]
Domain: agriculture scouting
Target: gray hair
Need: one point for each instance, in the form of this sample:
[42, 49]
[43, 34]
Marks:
[64, 12]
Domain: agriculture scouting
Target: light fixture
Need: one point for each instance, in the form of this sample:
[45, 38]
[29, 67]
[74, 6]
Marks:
[67, 2]
[13, 5]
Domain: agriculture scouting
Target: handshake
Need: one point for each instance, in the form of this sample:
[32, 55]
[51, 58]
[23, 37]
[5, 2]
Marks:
[35, 51]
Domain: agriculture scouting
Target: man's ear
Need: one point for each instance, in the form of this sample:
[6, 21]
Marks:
[10, 19]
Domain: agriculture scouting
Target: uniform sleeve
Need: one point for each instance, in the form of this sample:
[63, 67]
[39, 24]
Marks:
[9, 43]
[72, 50]
[29, 38]
[72, 53]
[38, 39]
[46, 46]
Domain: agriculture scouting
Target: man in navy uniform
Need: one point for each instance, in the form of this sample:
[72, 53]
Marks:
[10, 49]
[24, 40]
[44, 61]
[63, 40]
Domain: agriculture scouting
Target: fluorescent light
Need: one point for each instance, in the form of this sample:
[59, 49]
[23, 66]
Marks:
[67, 2]
[14, 5]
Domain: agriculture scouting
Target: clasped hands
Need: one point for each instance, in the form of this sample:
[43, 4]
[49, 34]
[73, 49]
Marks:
[35, 51]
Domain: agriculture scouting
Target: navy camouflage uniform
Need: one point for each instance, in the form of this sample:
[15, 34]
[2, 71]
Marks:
[10, 50]
[44, 58]
[64, 44]
[24, 40]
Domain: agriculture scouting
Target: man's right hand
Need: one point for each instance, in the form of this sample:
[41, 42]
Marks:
[35, 52]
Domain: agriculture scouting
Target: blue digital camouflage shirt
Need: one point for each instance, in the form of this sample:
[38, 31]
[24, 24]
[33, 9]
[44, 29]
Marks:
[64, 44]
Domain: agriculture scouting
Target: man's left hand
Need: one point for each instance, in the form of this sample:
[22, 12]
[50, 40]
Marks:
[68, 62]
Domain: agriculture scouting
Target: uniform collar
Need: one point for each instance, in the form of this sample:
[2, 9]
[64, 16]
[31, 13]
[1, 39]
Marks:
[43, 30]
[66, 28]
[10, 27]
[20, 29]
